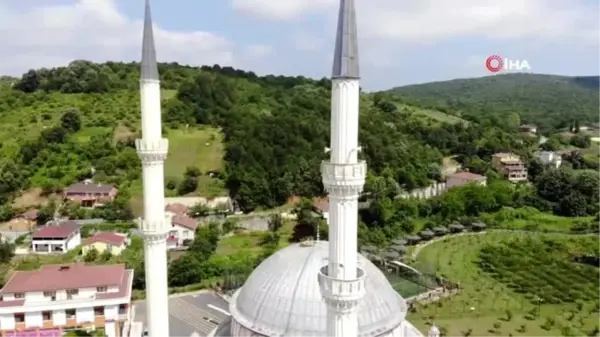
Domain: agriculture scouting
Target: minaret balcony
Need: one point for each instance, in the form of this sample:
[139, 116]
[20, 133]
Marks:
[342, 291]
[152, 151]
[343, 178]
[156, 227]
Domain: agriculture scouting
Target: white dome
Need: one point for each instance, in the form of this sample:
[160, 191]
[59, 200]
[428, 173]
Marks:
[282, 297]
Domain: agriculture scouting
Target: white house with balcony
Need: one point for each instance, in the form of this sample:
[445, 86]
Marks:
[550, 158]
[58, 298]
[56, 238]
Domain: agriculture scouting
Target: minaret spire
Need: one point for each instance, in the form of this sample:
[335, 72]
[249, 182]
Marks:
[342, 280]
[345, 59]
[149, 69]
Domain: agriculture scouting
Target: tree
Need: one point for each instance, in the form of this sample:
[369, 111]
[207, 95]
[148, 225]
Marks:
[91, 255]
[7, 252]
[275, 222]
[71, 121]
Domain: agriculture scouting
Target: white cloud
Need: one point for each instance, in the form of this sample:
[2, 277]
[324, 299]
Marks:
[258, 51]
[306, 42]
[94, 30]
[280, 9]
[437, 20]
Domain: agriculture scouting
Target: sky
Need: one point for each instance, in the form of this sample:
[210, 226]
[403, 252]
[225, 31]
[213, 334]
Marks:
[401, 41]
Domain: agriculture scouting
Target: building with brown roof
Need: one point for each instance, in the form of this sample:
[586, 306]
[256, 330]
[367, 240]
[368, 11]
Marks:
[90, 194]
[56, 238]
[114, 243]
[183, 228]
[510, 165]
[177, 209]
[463, 178]
[47, 301]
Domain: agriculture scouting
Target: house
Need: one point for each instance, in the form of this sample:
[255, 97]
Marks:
[58, 298]
[177, 209]
[550, 158]
[463, 178]
[56, 238]
[510, 165]
[90, 194]
[182, 228]
[114, 243]
[528, 128]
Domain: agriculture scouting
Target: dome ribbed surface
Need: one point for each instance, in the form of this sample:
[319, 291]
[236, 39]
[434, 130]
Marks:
[282, 297]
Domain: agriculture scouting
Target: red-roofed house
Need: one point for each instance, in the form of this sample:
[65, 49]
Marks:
[56, 238]
[90, 194]
[46, 301]
[462, 178]
[115, 243]
[183, 228]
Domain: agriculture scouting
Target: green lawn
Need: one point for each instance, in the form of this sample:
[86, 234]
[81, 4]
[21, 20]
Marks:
[199, 147]
[431, 114]
[484, 305]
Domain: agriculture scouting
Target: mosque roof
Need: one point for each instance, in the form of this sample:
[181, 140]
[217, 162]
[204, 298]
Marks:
[282, 296]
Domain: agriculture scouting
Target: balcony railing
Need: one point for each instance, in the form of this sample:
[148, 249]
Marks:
[66, 300]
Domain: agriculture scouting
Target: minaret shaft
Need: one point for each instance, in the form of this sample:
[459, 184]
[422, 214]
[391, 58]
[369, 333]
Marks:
[155, 226]
[342, 281]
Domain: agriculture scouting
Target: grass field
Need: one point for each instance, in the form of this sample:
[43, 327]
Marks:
[484, 305]
[433, 115]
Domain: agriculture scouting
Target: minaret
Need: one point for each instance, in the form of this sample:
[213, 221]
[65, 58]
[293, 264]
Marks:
[152, 150]
[342, 280]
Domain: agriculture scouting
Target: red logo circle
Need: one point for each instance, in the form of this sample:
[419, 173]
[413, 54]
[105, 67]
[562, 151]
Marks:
[494, 63]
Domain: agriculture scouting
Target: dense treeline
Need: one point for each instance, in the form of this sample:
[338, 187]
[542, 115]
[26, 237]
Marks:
[275, 131]
[550, 102]
[275, 127]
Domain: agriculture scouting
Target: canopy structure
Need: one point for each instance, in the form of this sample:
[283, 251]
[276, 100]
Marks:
[456, 227]
[399, 241]
[390, 255]
[479, 225]
[370, 249]
[399, 248]
[426, 234]
[414, 238]
[440, 230]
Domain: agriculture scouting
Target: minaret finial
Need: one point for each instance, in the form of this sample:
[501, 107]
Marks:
[345, 60]
[149, 69]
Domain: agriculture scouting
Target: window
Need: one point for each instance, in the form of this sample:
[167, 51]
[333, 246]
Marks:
[47, 315]
[99, 311]
[186, 234]
[19, 295]
[101, 289]
[19, 318]
[49, 293]
[72, 291]
[70, 313]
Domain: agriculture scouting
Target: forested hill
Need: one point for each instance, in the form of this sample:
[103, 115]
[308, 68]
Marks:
[58, 123]
[544, 100]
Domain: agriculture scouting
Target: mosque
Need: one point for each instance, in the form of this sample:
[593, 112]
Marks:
[314, 288]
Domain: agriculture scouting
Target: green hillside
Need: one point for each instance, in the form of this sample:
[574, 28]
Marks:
[545, 100]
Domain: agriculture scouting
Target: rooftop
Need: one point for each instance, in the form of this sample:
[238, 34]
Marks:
[177, 208]
[282, 297]
[467, 176]
[65, 276]
[115, 239]
[61, 231]
[184, 221]
[89, 187]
